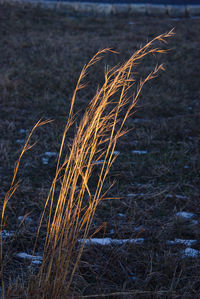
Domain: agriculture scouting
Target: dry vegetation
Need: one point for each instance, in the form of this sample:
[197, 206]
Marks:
[42, 54]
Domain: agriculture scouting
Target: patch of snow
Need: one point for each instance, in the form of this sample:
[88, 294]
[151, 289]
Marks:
[138, 229]
[132, 276]
[186, 166]
[182, 241]
[140, 120]
[50, 154]
[37, 262]
[25, 219]
[139, 152]
[45, 161]
[23, 255]
[190, 252]
[98, 162]
[190, 108]
[186, 215]
[109, 241]
[7, 234]
[20, 141]
[116, 153]
[180, 196]
[23, 131]
[135, 194]
[195, 222]
[121, 215]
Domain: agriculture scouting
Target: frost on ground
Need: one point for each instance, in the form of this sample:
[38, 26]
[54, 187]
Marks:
[182, 242]
[109, 241]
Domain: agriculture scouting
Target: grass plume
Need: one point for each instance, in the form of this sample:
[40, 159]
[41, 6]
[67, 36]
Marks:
[70, 214]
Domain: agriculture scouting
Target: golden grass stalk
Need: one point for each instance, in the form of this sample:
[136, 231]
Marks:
[71, 214]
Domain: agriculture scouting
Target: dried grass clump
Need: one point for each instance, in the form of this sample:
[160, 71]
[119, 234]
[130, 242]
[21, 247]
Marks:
[71, 213]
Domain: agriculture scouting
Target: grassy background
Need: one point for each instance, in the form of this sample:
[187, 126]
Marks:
[41, 56]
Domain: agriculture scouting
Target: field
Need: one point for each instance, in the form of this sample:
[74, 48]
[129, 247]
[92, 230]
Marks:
[155, 174]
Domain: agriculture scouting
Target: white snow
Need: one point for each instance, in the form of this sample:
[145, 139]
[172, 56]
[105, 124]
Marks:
[190, 252]
[139, 152]
[135, 194]
[116, 153]
[50, 154]
[20, 141]
[182, 241]
[45, 161]
[37, 262]
[23, 131]
[25, 219]
[121, 215]
[97, 162]
[109, 241]
[26, 256]
[179, 196]
[186, 215]
[6, 234]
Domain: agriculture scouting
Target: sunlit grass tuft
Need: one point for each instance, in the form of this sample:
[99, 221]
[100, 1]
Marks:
[70, 214]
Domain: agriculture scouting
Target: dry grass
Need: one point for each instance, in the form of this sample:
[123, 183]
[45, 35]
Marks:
[164, 126]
